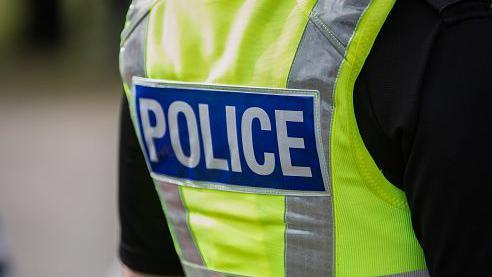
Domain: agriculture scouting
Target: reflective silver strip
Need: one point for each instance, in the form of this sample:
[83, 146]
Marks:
[321, 52]
[136, 12]
[134, 40]
[309, 248]
[132, 54]
[340, 16]
[178, 215]
[419, 273]
[316, 67]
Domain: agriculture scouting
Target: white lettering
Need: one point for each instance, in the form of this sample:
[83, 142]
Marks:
[152, 132]
[285, 143]
[175, 109]
[247, 135]
[210, 161]
[232, 138]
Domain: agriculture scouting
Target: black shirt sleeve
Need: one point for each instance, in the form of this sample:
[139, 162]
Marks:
[146, 245]
[423, 105]
[448, 174]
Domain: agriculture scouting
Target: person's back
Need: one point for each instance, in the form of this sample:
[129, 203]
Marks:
[258, 153]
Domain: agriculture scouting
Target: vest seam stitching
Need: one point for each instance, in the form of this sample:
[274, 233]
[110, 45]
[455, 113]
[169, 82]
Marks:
[328, 33]
[139, 18]
[375, 187]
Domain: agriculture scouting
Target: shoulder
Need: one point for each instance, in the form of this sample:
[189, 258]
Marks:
[389, 88]
[454, 11]
[441, 5]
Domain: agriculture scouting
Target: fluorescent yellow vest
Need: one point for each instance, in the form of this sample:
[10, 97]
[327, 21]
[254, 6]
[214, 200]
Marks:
[361, 227]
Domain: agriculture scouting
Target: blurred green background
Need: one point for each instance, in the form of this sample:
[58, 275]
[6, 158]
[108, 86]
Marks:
[82, 33]
[60, 93]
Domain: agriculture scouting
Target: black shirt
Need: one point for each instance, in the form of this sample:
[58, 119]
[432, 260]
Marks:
[423, 105]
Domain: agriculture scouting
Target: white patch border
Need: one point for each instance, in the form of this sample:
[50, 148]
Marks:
[159, 83]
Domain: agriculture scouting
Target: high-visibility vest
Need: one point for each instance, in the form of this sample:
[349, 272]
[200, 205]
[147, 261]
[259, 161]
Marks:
[244, 110]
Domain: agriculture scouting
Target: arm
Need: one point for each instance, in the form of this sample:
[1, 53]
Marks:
[146, 244]
[448, 174]
[130, 273]
[127, 272]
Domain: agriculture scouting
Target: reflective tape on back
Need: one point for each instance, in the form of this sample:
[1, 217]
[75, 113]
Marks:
[308, 236]
[310, 239]
[178, 216]
[134, 40]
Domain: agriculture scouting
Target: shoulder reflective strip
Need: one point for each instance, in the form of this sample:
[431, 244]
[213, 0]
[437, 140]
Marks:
[419, 273]
[138, 10]
[340, 16]
[178, 216]
[308, 236]
[316, 66]
[132, 55]
[326, 31]
[133, 42]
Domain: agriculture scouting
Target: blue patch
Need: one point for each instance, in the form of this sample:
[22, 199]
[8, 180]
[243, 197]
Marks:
[248, 137]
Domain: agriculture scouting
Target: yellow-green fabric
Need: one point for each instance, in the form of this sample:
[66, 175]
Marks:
[238, 233]
[235, 42]
[250, 43]
[374, 235]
